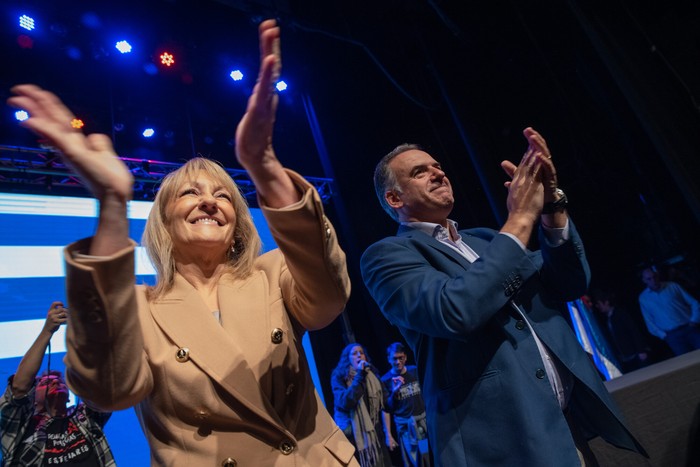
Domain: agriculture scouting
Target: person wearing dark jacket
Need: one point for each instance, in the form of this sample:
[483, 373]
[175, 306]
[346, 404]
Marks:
[504, 379]
[629, 346]
[360, 402]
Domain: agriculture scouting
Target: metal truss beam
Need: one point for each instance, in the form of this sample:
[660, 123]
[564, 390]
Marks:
[41, 170]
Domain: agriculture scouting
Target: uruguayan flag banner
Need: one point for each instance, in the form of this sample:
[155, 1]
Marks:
[34, 229]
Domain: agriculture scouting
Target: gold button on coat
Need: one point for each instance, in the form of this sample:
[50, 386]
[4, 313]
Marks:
[286, 447]
[182, 354]
[276, 335]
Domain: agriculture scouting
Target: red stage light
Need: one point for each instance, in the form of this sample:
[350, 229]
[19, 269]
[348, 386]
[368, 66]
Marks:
[167, 59]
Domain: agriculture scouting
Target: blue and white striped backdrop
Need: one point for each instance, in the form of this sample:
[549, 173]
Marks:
[34, 229]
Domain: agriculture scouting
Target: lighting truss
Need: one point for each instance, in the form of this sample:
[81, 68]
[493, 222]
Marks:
[41, 170]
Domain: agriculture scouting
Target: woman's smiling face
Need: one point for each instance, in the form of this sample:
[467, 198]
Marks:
[201, 215]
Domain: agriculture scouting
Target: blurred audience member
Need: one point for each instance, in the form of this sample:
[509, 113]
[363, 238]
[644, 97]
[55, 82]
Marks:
[670, 313]
[407, 405]
[627, 341]
[360, 407]
[36, 425]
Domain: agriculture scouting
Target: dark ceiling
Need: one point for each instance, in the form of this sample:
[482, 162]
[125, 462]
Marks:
[611, 84]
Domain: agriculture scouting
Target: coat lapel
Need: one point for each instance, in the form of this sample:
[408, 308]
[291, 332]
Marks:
[422, 237]
[183, 316]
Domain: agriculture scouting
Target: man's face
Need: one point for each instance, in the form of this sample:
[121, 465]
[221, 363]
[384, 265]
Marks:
[426, 193]
[397, 360]
[651, 279]
[51, 388]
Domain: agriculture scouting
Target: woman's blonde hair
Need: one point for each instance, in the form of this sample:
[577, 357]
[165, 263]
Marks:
[156, 237]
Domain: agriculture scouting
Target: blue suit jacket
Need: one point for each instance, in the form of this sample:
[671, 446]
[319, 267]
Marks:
[487, 398]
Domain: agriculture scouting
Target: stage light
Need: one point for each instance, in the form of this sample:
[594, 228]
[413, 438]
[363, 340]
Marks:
[236, 75]
[150, 69]
[281, 86]
[26, 22]
[148, 132]
[74, 53]
[123, 46]
[167, 59]
[77, 123]
[91, 20]
[21, 115]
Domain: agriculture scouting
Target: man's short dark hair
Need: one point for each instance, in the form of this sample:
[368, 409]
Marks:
[396, 347]
[46, 373]
[385, 179]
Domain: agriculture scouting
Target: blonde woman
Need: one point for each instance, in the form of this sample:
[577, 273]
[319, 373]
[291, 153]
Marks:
[211, 356]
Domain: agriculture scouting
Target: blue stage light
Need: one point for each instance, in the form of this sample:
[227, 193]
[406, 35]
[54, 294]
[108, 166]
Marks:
[26, 22]
[148, 132]
[150, 69]
[236, 75]
[281, 86]
[123, 46]
[91, 20]
[21, 115]
[74, 53]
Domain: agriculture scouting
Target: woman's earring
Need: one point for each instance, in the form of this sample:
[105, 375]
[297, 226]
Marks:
[233, 248]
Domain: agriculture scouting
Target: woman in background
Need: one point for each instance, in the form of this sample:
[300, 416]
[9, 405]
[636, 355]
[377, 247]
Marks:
[360, 401]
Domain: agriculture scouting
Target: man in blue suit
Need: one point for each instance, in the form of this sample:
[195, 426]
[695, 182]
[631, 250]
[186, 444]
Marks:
[504, 379]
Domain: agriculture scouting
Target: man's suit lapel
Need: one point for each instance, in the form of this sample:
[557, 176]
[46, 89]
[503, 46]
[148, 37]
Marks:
[183, 316]
[410, 232]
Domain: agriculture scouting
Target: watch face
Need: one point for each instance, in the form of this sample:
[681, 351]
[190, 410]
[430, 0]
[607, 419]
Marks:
[558, 205]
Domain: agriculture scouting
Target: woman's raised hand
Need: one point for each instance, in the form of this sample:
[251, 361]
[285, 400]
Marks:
[254, 132]
[92, 156]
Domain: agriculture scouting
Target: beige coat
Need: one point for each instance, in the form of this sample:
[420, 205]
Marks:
[235, 393]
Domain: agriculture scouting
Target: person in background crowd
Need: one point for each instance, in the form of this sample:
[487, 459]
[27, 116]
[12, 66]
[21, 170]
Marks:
[360, 401]
[37, 427]
[407, 407]
[670, 313]
[627, 341]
